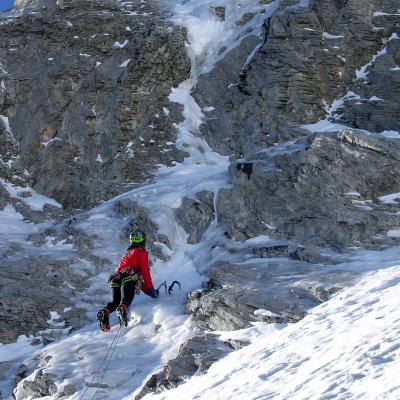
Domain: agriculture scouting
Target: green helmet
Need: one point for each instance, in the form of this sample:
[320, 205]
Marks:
[137, 236]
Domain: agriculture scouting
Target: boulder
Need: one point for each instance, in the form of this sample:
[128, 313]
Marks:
[196, 215]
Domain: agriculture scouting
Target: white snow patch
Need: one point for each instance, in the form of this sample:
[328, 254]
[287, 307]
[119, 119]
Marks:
[353, 194]
[390, 198]
[128, 150]
[362, 73]
[383, 14]
[390, 134]
[394, 233]
[35, 201]
[46, 143]
[6, 124]
[99, 158]
[20, 348]
[327, 35]
[265, 313]
[208, 109]
[118, 45]
[125, 63]
[55, 319]
[364, 204]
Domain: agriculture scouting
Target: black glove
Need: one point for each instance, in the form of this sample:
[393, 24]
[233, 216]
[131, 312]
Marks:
[153, 293]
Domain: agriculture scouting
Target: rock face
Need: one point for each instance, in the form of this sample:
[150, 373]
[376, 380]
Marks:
[195, 216]
[310, 191]
[44, 285]
[195, 357]
[89, 106]
[307, 59]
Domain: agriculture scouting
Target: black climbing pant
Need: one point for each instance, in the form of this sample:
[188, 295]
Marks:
[123, 291]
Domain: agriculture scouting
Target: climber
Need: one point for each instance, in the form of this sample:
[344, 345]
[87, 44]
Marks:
[132, 275]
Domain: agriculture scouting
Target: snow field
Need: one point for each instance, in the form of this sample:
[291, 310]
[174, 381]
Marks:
[347, 348]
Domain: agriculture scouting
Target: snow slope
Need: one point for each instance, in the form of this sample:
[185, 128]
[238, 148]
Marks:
[347, 348]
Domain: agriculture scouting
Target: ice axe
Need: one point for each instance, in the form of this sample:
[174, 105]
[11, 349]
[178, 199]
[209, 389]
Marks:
[164, 285]
[171, 286]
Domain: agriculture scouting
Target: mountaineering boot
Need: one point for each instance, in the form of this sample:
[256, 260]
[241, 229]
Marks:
[122, 312]
[104, 320]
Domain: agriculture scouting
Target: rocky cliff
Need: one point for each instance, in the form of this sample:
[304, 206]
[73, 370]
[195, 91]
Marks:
[85, 90]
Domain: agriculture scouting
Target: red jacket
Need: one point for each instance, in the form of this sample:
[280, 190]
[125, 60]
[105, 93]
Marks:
[137, 259]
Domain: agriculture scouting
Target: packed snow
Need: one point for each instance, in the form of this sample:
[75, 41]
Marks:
[346, 348]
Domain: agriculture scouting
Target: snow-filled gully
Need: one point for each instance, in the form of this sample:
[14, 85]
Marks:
[158, 327]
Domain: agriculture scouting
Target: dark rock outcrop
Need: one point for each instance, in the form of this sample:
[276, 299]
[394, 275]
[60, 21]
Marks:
[196, 215]
[195, 357]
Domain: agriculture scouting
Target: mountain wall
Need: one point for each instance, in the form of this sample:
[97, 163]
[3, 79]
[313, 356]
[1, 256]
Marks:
[302, 97]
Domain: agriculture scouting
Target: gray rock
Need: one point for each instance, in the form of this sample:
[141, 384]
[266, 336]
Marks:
[375, 104]
[219, 12]
[308, 58]
[67, 390]
[42, 385]
[235, 292]
[196, 215]
[302, 189]
[195, 357]
[88, 126]
[42, 287]
[311, 255]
